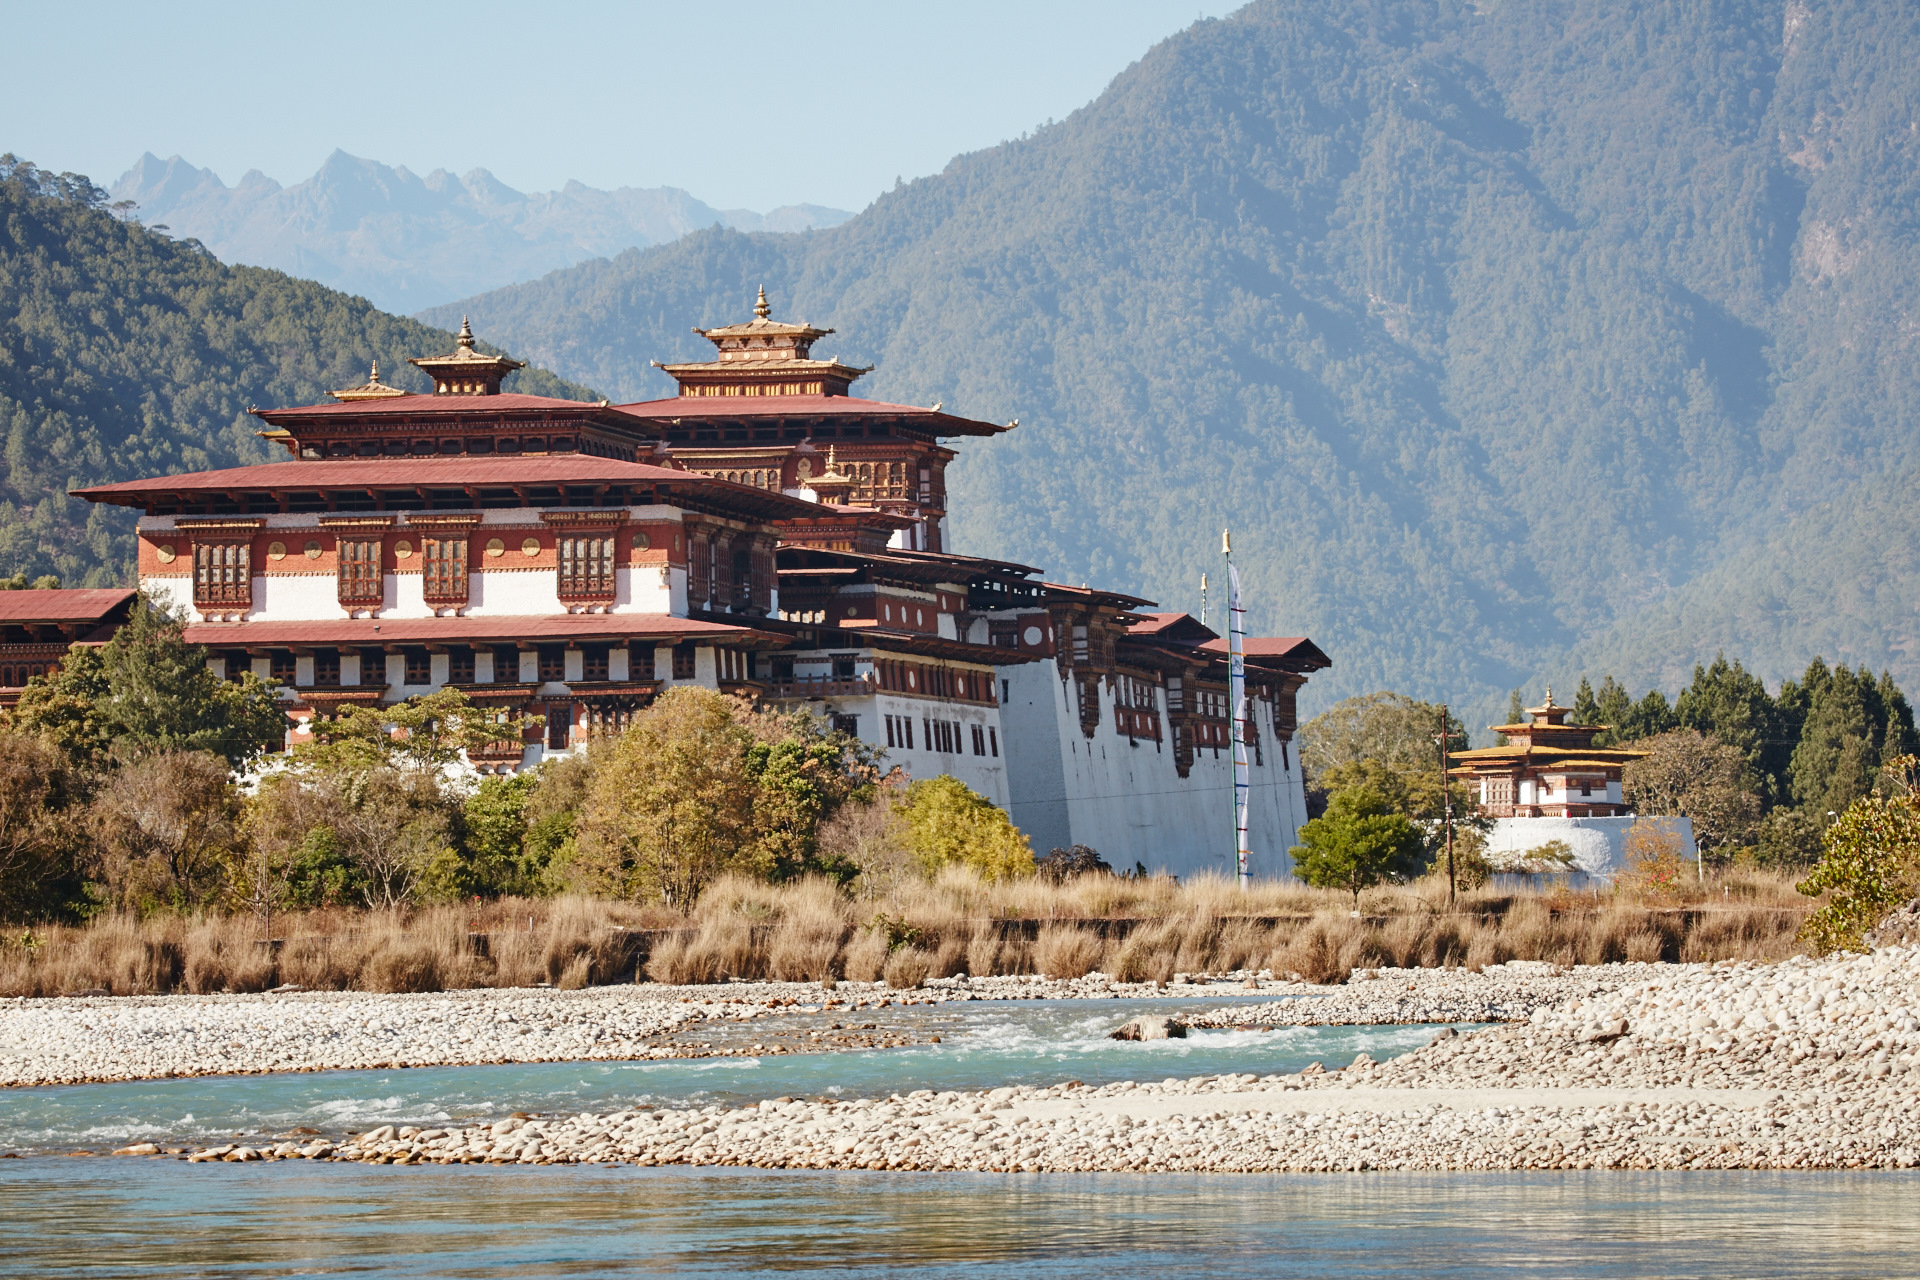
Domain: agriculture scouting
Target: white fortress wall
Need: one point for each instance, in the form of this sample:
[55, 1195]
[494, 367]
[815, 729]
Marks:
[1126, 799]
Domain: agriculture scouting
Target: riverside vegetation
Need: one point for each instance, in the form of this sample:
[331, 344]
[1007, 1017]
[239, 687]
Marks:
[713, 840]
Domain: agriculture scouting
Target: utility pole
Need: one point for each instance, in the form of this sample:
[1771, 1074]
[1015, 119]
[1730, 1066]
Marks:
[1446, 802]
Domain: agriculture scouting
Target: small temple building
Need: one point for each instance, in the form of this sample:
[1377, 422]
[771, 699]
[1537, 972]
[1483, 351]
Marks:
[1549, 783]
[762, 532]
[1548, 768]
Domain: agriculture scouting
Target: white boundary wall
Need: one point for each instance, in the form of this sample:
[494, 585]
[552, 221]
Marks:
[1598, 843]
[1126, 800]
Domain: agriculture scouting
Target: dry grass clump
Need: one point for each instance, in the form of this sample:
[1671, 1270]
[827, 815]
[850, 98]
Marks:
[1066, 951]
[810, 930]
[907, 968]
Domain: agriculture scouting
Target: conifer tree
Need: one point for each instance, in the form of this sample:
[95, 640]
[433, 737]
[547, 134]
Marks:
[1725, 700]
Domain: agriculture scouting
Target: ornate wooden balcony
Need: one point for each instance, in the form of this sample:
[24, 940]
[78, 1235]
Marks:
[812, 689]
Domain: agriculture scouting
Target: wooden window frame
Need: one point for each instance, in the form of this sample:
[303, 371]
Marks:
[443, 569]
[586, 563]
[222, 573]
[360, 578]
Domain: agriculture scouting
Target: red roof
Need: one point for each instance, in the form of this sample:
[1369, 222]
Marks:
[941, 424]
[445, 471]
[1297, 649]
[89, 604]
[555, 626]
[1096, 594]
[1155, 624]
[505, 402]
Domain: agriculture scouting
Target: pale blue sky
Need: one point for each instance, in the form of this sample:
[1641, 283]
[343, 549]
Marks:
[747, 105]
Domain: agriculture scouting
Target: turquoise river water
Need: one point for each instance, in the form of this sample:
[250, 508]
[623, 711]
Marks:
[67, 1216]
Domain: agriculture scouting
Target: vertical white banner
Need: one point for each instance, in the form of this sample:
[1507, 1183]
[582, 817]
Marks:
[1237, 695]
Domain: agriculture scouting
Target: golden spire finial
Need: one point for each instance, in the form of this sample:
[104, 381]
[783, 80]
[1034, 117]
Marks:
[466, 333]
[1549, 695]
[375, 375]
[760, 309]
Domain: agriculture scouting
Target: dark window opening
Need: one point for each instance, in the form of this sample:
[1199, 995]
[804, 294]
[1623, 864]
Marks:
[594, 663]
[326, 668]
[553, 663]
[506, 664]
[283, 667]
[460, 665]
[683, 661]
[559, 726]
[418, 666]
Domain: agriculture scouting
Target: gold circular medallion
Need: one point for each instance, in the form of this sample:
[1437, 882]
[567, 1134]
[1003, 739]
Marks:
[402, 549]
[276, 551]
[312, 549]
[642, 540]
[495, 547]
[531, 547]
[165, 552]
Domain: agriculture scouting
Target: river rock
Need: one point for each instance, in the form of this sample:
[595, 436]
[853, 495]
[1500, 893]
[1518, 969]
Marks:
[1150, 1026]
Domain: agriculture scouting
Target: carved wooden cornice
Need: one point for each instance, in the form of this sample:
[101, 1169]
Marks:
[230, 524]
[368, 522]
[595, 516]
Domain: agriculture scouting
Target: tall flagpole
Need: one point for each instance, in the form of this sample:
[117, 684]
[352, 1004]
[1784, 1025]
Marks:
[1237, 697]
[1203, 599]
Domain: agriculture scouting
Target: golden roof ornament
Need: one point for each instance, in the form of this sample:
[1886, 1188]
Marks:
[466, 372]
[832, 484]
[372, 389]
[760, 309]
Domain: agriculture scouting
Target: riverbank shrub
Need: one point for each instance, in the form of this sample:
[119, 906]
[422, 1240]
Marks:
[1870, 862]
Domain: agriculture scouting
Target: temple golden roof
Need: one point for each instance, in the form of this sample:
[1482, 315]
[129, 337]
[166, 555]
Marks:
[371, 389]
[466, 371]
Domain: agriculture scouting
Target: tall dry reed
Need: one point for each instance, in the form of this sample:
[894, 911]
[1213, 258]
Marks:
[811, 931]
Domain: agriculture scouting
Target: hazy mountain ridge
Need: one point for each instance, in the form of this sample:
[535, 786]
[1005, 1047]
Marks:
[1507, 341]
[407, 242]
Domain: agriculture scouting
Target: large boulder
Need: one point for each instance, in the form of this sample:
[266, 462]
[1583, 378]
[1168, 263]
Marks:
[1150, 1026]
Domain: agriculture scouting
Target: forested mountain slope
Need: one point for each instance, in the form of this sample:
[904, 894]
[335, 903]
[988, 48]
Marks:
[125, 353]
[1508, 338]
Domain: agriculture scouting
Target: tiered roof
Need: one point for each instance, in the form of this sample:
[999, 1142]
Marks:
[764, 370]
[1547, 741]
[464, 481]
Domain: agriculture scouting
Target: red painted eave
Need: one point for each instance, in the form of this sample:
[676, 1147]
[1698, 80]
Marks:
[454, 471]
[454, 407]
[723, 407]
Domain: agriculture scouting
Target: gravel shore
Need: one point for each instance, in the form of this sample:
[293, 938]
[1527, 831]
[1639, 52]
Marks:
[1801, 1065]
[89, 1040]
[97, 1039]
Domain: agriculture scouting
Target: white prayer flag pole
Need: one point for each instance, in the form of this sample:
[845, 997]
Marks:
[1237, 697]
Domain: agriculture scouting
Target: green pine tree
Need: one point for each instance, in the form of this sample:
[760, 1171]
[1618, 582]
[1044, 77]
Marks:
[1733, 705]
[1586, 708]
